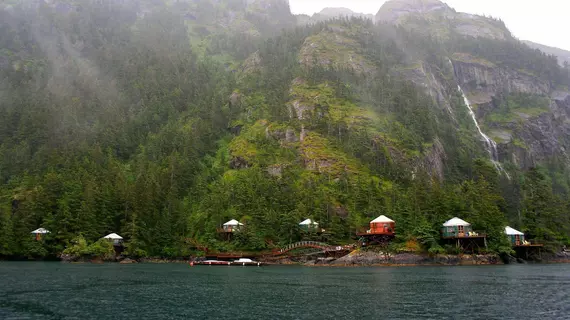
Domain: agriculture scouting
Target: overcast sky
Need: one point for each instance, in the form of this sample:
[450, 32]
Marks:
[544, 21]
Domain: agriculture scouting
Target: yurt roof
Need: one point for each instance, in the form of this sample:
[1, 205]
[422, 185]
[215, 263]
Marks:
[233, 222]
[113, 236]
[513, 232]
[40, 230]
[308, 222]
[456, 222]
[382, 219]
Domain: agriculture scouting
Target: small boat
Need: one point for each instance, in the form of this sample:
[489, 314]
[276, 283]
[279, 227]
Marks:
[210, 263]
[246, 262]
[239, 262]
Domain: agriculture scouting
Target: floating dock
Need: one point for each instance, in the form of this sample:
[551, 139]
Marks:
[240, 262]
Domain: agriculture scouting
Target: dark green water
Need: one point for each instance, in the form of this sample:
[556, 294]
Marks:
[31, 290]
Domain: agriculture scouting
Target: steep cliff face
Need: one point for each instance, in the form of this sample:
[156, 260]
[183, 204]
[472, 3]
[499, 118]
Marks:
[530, 129]
[328, 13]
[334, 48]
[515, 103]
[438, 20]
[485, 79]
[394, 11]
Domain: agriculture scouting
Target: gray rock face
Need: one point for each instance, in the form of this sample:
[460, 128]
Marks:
[290, 136]
[238, 163]
[393, 10]
[368, 258]
[544, 137]
[328, 13]
[478, 26]
[423, 77]
[434, 160]
[490, 80]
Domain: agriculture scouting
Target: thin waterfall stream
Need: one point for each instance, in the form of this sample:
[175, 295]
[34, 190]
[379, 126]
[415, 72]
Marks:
[490, 144]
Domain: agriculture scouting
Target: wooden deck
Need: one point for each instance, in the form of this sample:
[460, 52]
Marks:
[468, 243]
[481, 236]
[364, 234]
[535, 245]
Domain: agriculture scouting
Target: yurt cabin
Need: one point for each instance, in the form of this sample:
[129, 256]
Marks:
[456, 228]
[461, 233]
[381, 231]
[232, 226]
[516, 237]
[309, 225]
[228, 228]
[382, 225]
[39, 233]
[115, 238]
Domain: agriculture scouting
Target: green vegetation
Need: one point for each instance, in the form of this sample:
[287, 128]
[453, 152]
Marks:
[142, 124]
[518, 107]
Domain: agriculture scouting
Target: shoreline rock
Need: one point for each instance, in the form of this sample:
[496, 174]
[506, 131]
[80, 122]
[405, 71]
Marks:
[370, 258]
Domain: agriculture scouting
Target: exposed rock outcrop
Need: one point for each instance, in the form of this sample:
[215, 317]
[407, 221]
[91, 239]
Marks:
[334, 49]
[434, 160]
[370, 258]
[238, 163]
[393, 10]
[443, 20]
[252, 64]
[422, 75]
[484, 79]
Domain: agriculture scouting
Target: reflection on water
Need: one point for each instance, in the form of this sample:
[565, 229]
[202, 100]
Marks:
[112, 291]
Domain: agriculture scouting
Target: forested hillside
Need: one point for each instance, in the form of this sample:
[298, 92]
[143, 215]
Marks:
[161, 120]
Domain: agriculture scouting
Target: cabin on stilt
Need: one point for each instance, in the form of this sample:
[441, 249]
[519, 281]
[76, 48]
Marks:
[115, 238]
[516, 237]
[117, 242]
[39, 233]
[460, 233]
[523, 248]
[456, 228]
[382, 230]
[229, 228]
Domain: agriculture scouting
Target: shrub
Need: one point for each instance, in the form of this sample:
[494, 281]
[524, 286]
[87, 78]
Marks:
[78, 247]
[103, 249]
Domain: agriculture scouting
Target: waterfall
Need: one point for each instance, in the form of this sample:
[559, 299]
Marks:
[490, 144]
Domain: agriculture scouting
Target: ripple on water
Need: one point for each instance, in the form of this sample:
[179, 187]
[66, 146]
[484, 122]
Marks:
[176, 291]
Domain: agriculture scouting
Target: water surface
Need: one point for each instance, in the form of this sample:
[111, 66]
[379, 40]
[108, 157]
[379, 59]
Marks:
[35, 290]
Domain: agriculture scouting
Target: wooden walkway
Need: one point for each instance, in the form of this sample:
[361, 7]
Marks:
[311, 244]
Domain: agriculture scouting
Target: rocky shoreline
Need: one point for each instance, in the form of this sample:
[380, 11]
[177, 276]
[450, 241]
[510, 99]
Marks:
[357, 258]
[369, 258]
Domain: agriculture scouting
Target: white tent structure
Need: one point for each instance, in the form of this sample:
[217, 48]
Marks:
[456, 222]
[40, 231]
[382, 219]
[513, 232]
[117, 239]
[232, 225]
[308, 222]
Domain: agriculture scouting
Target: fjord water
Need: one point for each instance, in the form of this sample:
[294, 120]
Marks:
[177, 291]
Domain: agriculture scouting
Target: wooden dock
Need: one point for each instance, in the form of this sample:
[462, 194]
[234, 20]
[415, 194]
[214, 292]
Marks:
[226, 263]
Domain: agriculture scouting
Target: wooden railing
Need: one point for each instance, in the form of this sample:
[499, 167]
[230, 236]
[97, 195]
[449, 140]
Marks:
[312, 244]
